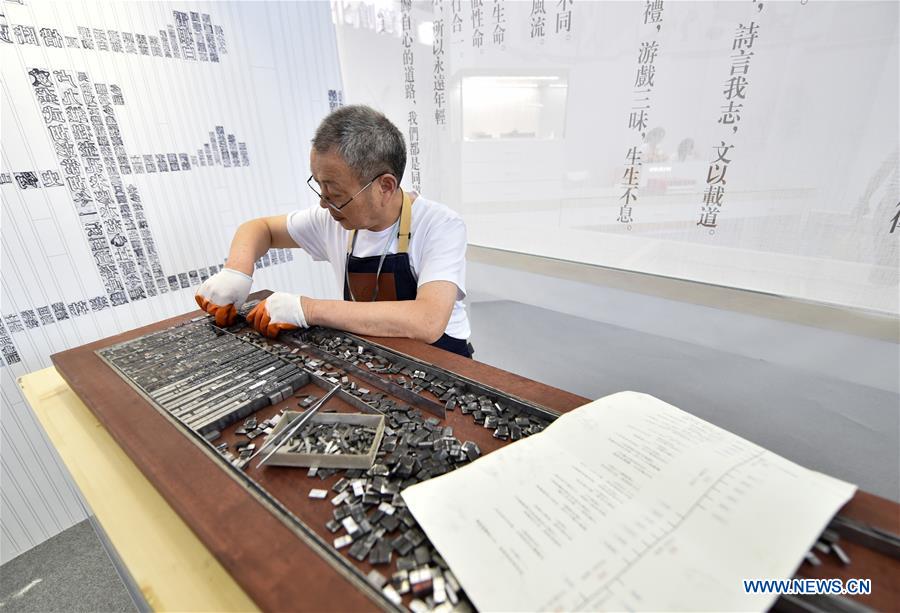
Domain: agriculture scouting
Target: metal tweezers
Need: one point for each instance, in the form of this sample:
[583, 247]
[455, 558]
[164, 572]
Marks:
[298, 422]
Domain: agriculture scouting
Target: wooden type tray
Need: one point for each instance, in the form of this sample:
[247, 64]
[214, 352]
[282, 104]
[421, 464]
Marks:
[281, 565]
[292, 567]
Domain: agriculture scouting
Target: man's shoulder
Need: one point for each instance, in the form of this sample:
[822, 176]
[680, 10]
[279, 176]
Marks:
[313, 219]
[316, 231]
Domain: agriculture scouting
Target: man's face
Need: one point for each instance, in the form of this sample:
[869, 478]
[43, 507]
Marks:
[337, 184]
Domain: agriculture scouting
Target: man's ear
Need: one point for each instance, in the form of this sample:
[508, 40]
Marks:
[388, 184]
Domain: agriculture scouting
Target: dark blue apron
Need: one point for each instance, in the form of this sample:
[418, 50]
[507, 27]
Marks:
[395, 282]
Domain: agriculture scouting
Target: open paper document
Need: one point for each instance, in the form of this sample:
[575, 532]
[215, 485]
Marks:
[625, 503]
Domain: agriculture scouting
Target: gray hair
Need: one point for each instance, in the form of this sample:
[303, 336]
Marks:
[365, 139]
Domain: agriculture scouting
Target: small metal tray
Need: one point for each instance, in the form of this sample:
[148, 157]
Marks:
[337, 460]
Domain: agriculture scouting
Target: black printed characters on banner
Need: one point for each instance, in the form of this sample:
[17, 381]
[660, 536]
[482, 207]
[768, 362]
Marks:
[155, 48]
[410, 92]
[45, 316]
[100, 38]
[457, 22]
[498, 18]
[735, 94]
[409, 80]
[715, 186]
[736, 85]
[196, 37]
[59, 311]
[25, 35]
[78, 308]
[142, 44]
[51, 37]
[415, 169]
[233, 150]
[199, 36]
[80, 119]
[439, 72]
[50, 178]
[477, 23]
[186, 40]
[639, 114]
[99, 303]
[26, 179]
[81, 139]
[7, 348]
[335, 99]
[29, 319]
[13, 323]
[564, 17]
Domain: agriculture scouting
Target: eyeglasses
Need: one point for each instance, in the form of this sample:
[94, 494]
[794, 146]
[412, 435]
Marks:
[334, 206]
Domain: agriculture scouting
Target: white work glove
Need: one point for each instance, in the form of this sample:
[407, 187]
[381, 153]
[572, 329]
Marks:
[280, 311]
[223, 294]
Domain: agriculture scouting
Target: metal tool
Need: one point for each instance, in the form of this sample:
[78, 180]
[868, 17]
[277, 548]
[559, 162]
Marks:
[866, 535]
[298, 422]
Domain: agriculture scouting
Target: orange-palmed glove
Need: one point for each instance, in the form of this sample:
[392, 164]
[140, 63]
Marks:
[223, 294]
[280, 311]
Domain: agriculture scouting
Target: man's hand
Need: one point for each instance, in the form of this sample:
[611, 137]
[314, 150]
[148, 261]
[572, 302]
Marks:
[223, 294]
[280, 311]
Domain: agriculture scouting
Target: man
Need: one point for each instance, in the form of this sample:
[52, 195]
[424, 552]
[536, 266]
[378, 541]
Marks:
[399, 257]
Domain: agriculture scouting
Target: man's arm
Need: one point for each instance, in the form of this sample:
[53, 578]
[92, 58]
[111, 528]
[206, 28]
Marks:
[254, 238]
[223, 293]
[422, 319]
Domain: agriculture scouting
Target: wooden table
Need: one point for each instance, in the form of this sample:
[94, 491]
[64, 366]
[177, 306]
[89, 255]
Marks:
[194, 538]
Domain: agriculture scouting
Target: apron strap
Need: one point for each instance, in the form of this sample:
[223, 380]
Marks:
[405, 223]
[404, 233]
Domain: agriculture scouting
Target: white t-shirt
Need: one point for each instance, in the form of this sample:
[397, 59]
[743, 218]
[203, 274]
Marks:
[437, 248]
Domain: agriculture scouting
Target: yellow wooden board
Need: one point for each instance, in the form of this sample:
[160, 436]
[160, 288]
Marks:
[172, 568]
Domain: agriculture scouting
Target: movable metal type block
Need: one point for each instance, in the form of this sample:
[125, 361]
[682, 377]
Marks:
[402, 545]
[350, 526]
[360, 549]
[417, 537]
[376, 578]
[380, 553]
[471, 450]
[340, 513]
[391, 594]
[365, 527]
[417, 606]
[438, 593]
[422, 555]
[420, 581]
[389, 523]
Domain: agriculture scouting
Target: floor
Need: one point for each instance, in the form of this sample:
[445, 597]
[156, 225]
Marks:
[847, 430]
[844, 429]
[70, 572]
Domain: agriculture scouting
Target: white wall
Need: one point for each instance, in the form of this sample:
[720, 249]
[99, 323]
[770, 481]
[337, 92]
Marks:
[813, 182]
[269, 88]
